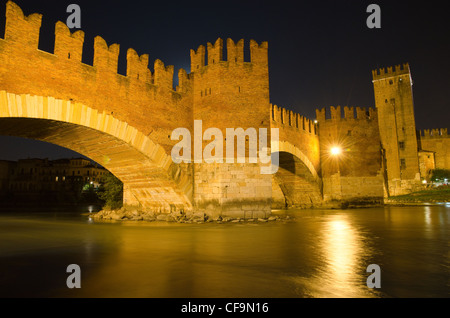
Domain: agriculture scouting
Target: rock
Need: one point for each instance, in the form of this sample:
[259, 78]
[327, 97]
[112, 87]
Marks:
[199, 215]
[161, 217]
[262, 220]
[273, 218]
[117, 216]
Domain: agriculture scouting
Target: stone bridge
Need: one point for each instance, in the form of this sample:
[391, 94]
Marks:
[125, 122]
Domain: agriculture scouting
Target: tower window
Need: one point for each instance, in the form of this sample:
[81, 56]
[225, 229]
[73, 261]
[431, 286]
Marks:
[402, 164]
[391, 82]
[401, 145]
[349, 133]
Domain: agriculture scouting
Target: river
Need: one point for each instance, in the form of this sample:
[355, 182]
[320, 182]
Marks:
[320, 254]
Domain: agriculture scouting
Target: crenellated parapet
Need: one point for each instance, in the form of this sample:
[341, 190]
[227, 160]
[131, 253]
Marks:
[391, 71]
[20, 29]
[137, 66]
[438, 133]
[235, 54]
[287, 118]
[335, 113]
[67, 44]
[106, 58]
[22, 34]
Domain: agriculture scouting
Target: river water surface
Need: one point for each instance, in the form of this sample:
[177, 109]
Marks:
[321, 253]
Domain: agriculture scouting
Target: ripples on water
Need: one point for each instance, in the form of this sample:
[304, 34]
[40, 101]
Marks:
[319, 254]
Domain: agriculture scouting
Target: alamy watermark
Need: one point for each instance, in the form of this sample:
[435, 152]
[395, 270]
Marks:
[74, 19]
[374, 19]
[213, 152]
[74, 279]
[374, 279]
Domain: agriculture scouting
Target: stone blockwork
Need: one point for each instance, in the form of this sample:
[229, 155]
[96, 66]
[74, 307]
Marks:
[231, 93]
[354, 174]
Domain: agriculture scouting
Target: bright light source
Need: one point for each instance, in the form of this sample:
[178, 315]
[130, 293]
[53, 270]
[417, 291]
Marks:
[315, 122]
[335, 151]
[424, 181]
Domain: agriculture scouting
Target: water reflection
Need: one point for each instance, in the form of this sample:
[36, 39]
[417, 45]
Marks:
[320, 254]
[344, 252]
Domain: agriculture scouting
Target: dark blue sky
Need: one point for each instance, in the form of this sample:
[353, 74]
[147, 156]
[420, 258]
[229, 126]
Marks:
[321, 53]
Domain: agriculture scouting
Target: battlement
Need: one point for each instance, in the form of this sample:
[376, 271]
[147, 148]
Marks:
[335, 113]
[390, 71]
[22, 33]
[235, 54]
[288, 118]
[434, 133]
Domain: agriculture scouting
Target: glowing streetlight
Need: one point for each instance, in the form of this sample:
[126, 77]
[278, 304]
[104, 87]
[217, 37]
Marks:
[336, 151]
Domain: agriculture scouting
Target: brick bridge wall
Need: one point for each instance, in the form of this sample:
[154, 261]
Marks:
[142, 100]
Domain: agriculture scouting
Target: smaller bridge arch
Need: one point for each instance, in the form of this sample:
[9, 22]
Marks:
[295, 184]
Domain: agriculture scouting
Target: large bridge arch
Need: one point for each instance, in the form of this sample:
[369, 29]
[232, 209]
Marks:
[150, 177]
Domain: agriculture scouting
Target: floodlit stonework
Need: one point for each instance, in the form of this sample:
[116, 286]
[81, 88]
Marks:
[124, 122]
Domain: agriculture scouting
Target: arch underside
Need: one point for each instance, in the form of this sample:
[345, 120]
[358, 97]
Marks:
[294, 185]
[145, 183]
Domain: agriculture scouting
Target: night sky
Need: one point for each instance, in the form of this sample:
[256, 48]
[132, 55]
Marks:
[321, 53]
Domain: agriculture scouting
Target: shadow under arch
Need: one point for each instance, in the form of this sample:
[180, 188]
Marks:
[294, 185]
[151, 180]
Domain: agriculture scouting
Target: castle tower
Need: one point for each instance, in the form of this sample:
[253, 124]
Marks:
[394, 101]
[231, 93]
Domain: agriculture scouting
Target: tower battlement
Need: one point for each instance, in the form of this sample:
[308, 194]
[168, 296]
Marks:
[390, 71]
[434, 133]
[22, 34]
[335, 113]
[285, 117]
[235, 54]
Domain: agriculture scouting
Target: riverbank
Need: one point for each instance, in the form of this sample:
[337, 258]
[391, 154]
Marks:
[435, 195]
[429, 196]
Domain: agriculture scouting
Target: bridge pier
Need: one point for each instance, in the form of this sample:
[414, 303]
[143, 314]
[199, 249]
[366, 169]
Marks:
[232, 190]
[129, 199]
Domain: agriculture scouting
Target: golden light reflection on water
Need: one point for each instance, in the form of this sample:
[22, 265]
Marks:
[343, 249]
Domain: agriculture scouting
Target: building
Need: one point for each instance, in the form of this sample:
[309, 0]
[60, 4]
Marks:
[37, 179]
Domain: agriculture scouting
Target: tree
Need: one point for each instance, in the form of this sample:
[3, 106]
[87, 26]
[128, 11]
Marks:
[440, 175]
[111, 191]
